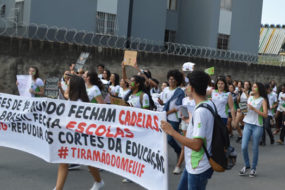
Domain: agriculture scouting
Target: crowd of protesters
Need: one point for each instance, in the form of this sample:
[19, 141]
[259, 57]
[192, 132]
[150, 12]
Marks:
[252, 109]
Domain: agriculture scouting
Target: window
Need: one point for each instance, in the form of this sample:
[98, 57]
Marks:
[169, 36]
[3, 11]
[19, 12]
[171, 5]
[223, 41]
[105, 23]
[226, 4]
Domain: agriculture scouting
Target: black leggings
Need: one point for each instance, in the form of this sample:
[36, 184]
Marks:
[267, 128]
[282, 134]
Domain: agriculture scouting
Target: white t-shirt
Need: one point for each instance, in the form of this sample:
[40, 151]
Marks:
[243, 97]
[155, 97]
[203, 120]
[186, 80]
[272, 98]
[275, 89]
[190, 104]
[281, 102]
[167, 93]
[115, 89]
[221, 102]
[100, 76]
[134, 100]
[123, 92]
[252, 117]
[92, 93]
[209, 88]
[236, 90]
[154, 91]
[36, 85]
[105, 81]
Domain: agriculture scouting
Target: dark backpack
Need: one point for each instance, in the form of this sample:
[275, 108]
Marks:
[220, 141]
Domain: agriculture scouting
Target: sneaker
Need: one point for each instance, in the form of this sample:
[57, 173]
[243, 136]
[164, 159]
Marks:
[125, 180]
[252, 173]
[177, 170]
[243, 171]
[73, 167]
[280, 142]
[97, 185]
[238, 139]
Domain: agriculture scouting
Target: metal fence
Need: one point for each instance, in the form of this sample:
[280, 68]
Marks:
[60, 34]
[276, 60]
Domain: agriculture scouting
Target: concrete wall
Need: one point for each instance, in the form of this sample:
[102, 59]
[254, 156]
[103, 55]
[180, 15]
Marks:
[107, 6]
[16, 56]
[149, 19]
[198, 22]
[122, 17]
[171, 20]
[246, 20]
[72, 14]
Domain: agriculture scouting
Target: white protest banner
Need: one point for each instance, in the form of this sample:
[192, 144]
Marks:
[24, 85]
[124, 140]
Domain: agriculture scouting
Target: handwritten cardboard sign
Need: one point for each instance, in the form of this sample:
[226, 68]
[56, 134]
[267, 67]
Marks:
[130, 58]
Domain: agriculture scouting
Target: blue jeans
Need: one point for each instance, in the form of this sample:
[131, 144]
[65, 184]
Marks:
[171, 140]
[194, 181]
[256, 133]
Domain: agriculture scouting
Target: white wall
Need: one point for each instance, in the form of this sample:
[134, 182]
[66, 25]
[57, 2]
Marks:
[107, 6]
[225, 22]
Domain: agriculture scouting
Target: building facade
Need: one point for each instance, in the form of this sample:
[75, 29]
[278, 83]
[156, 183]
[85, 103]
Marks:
[222, 24]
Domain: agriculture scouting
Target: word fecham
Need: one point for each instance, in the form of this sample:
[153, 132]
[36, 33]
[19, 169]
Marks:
[128, 118]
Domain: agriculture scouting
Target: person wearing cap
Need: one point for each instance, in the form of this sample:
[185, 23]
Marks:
[187, 67]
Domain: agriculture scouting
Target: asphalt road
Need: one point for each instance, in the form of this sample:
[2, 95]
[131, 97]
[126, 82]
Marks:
[21, 171]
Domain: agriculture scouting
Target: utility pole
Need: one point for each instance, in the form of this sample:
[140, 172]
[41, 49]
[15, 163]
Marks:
[130, 20]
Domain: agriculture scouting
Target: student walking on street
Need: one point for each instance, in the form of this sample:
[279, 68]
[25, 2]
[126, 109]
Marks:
[200, 130]
[173, 96]
[257, 110]
[77, 92]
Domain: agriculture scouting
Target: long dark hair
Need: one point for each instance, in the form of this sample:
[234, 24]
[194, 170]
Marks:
[141, 81]
[262, 92]
[108, 74]
[117, 79]
[77, 89]
[37, 75]
[94, 79]
[224, 81]
[248, 83]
